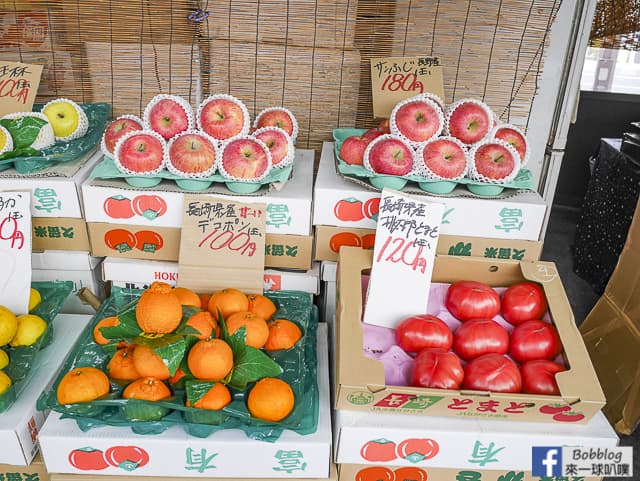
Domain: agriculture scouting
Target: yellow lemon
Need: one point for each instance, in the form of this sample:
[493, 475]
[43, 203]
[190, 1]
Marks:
[5, 382]
[34, 299]
[8, 325]
[4, 359]
[3, 139]
[30, 328]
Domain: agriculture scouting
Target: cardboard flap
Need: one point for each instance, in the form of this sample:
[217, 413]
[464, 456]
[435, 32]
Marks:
[631, 411]
[352, 261]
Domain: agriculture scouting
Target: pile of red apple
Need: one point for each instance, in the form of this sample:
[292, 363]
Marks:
[481, 354]
[194, 145]
[425, 138]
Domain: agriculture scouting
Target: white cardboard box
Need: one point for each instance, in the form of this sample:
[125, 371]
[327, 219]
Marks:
[64, 260]
[90, 279]
[328, 271]
[329, 302]
[226, 453]
[138, 274]
[288, 209]
[56, 196]
[19, 425]
[339, 202]
[445, 442]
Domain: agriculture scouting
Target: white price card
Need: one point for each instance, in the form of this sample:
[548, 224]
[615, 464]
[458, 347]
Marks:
[403, 255]
[15, 250]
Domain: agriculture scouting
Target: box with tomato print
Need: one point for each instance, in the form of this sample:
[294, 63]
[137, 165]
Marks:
[116, 202]
[377, 371]
[342, 203]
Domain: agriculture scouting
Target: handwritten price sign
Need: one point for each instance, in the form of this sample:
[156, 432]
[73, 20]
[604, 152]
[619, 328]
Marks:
[394, 79]
[15, 250]
[18, 86]
[403, 254]
[222, 245]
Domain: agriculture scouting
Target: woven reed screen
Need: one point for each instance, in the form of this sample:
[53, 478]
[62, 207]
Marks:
[311, 56]
[616, 24]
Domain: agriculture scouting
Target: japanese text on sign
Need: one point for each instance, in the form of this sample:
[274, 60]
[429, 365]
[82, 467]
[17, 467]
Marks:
[18, 86]
[225, 237]
[404, 249]
[397, 78]
[15, 250]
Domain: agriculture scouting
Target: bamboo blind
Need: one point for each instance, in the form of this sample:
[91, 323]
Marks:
[311, 56]
[616, 24]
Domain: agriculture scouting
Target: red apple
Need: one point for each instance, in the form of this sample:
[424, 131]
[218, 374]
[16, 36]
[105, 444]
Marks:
[495, 160]
[223, 117]
[140, 152]
[469, 120]
[374, 133]
[389, 155]
[278, 117]
[245, 158]
[417, 120]
[192, 153]
[444, 157]
[278, 142]
[116, 129]
[352, 150]
[513, 136]
[168, 115]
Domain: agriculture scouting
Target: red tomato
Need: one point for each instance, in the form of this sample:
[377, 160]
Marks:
[118, 207]
[375, 473]
[533, 340]
[87, 459]
[492, 372]
[539, 377]
[420, 332]
[437, 369]
[468, 300]
[480, 336]
[148, 241]
[410, 473]
[523, 302]
[129, 456]
[149, 206]
[418, 449]
[119, 239]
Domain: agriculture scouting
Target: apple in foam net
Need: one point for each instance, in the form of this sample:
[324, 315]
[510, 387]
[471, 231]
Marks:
[67, 118]
[352, 150]
[276, 118]
[168, 118]
[277, 142]
[418, 121]
[117, 129]
[469, 122]
[141, 153]
[445, 158]
[390, 156]
[494, 161]
[192, 154]
[374, 133]
[245, 159]
[514, 138]
[222, 118]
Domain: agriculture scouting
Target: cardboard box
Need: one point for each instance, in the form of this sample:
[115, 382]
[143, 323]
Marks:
[288, 209]
[19, 425]
[611, 332]
[64, 260]
[332, 25]
[458, 443]
[328, 303]
[329, 239]
[360, 380]
[139, 274]
[88, 477]
[59, 233]
[354, 472]
[55, 190]
[36, 471]
[163, 244]
[328, 271]
[223, 454]
[89, 279]
[339, 202]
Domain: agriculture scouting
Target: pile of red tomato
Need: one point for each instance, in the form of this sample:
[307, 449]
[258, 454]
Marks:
[481, 354]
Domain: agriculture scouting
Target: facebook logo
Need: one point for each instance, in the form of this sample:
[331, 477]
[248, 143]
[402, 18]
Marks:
[546, 461]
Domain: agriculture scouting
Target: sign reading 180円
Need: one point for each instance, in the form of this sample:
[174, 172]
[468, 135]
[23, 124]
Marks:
[403, 254]
[394, 79]
[222, 245]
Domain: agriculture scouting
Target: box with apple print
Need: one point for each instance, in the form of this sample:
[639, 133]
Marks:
[376, 372]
